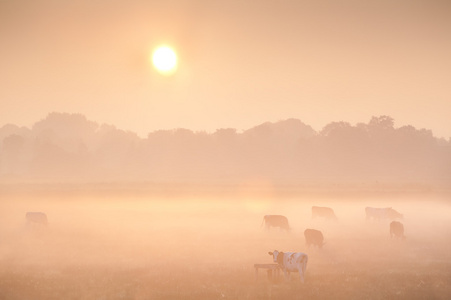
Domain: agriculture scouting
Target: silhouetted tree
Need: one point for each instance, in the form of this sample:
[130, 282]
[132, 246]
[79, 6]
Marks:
[381, 123]
[68, 146]
[12, 151]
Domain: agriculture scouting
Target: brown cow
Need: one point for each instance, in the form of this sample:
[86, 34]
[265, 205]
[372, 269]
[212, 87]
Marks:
[276, 221]
[397, 230]
[314, 237]
[36, 218]
[382, 213]
[323, 212]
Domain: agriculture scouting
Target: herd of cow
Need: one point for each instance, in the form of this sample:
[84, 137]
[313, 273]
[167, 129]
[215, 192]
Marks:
[297, 261]
[291, 261]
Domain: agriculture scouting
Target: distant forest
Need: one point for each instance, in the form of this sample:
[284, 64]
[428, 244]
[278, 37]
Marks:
[68, 147]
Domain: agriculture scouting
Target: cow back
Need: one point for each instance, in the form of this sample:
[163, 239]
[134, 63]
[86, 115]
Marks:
[292, 261]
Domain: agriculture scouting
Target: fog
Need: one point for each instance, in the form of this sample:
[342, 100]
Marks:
[70, 148]
[119, 183]
[119, 244]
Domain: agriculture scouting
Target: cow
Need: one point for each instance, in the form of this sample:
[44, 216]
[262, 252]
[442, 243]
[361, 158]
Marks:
[382, 213]
[314, 237]
[397, 230]
[323, 212]
[39, 218]
[276, 221]
[291, 262]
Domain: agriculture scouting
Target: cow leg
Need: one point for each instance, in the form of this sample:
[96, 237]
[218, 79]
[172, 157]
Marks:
[301, 274]
[286, 274]
[302, 268]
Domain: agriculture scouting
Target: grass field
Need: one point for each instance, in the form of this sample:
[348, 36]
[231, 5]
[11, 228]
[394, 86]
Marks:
[157, 247]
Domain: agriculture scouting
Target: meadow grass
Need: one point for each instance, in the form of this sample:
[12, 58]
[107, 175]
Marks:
[227, 282]
[193, 249]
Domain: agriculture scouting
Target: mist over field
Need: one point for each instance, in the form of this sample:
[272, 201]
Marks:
[116, 243]
[179, 214]
[163, 149]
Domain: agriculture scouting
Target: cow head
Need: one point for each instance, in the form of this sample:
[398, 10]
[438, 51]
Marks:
[277, 256]
[393, 214]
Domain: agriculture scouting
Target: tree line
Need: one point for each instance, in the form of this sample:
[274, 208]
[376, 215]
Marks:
[64, 147]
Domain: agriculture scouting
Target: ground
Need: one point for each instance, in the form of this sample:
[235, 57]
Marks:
[124, 246]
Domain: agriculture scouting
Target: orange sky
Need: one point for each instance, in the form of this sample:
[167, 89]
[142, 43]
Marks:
[241, 64]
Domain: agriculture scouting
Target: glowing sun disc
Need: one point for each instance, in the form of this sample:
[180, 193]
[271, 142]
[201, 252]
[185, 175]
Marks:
[164, 59]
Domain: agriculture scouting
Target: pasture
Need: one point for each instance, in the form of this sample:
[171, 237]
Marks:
[108, 245]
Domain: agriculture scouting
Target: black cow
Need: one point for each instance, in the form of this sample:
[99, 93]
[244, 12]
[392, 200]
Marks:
[314, 237]
[276, 221]
[397, 230]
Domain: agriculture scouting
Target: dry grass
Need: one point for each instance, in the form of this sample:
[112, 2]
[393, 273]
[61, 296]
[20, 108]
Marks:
[157, 248]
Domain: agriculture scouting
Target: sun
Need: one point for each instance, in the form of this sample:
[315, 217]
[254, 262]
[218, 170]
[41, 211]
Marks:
[164, 60]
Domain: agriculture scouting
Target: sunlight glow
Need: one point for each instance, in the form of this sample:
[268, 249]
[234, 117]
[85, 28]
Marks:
[164, 60]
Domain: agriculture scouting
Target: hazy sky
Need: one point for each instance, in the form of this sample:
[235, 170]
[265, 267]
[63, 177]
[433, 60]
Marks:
[241, 63]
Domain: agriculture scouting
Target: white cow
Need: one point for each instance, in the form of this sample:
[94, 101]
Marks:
[382, 213]
[291, 262]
